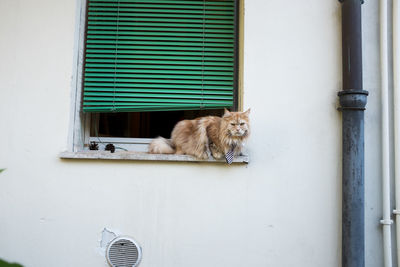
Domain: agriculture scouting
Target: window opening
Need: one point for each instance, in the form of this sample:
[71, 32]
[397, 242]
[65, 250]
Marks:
[149, 33]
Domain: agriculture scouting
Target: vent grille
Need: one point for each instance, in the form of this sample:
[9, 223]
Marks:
[123, 252]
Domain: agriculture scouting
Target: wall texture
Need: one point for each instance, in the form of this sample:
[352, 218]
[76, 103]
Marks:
[282, 209]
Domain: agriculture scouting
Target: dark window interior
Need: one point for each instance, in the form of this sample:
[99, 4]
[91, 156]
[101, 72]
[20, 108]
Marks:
[142, 124]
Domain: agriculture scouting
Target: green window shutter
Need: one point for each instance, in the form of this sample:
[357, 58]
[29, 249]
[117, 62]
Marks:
[155, 55]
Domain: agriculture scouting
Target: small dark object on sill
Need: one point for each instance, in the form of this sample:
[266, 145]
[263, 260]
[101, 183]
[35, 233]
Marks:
[93, 146]
[110, 147]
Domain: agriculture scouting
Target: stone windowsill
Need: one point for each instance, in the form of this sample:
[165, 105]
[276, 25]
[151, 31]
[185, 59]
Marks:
[142, 156]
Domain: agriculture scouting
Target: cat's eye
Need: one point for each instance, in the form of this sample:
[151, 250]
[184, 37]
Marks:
[232, 124]
[242, 123]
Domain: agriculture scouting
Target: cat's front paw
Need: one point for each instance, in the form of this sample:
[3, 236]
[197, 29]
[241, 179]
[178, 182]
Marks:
[215, 152]
[202, 156]
[217, 155]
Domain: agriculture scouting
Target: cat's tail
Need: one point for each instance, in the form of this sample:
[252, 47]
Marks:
[161, 145]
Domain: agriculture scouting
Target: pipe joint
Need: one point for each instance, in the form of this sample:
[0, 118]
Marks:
[341, 1]
[353, 99]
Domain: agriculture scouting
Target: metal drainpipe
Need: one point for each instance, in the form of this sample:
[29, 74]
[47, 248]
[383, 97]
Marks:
[353, 100]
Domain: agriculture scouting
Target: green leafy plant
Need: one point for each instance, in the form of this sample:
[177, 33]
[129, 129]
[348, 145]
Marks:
[7, 264]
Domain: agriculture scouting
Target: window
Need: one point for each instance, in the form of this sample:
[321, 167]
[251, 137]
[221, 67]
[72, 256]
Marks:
[146, 64]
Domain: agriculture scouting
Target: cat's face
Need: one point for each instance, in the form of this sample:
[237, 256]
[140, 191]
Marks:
[237, 123]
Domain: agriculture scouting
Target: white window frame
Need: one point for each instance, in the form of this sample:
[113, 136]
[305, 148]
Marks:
[79, 136]
[79, 121]
[79, 131]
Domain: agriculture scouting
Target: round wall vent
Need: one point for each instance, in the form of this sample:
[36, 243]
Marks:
[123, 252]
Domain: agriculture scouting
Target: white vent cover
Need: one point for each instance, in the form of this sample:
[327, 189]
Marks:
[123, 252]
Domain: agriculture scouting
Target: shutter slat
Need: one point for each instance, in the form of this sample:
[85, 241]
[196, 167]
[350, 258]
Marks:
[108, 23]
[120, 53]
[160, 86]
[158, 57]
[140, 29]
[128, 100]
[153, 76]
[195, 40]
[167, 44]
[156, 81]
[158, 19]
[157, 15]
[156, 11]
[159, 33]
[148, 55]
[159, 62]
[139, 107]
[217, 3]
[156, 24]
[149, 67]
[152, 90]
[143, 73]
[153, 4]
[127, 96]
[108, 47]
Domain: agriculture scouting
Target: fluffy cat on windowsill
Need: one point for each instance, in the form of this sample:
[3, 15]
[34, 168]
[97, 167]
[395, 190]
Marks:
[222, 136]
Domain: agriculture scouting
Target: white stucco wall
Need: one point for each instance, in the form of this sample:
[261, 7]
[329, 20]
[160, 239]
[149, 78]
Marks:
[373, 170]
[282, 209]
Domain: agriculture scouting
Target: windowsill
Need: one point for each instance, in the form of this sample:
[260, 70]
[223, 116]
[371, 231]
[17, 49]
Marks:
[142, 156]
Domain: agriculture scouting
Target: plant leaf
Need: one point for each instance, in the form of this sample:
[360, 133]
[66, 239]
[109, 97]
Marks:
[7, 264]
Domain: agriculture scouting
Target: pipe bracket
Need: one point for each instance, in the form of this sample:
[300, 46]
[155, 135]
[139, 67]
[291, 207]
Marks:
[352, 99]
[386, 222]
[396, 212]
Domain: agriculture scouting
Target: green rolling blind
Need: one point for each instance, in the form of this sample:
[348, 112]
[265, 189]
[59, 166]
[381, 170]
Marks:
[154, 55]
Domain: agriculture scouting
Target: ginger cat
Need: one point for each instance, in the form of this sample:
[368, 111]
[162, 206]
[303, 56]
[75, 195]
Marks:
[198, 137]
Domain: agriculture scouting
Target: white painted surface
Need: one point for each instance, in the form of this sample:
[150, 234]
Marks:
[396, 119]
[385, 133]
[283, 209]
[373, 169]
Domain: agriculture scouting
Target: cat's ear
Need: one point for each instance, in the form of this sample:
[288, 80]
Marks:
[247, 112]
[226, 113]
